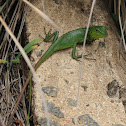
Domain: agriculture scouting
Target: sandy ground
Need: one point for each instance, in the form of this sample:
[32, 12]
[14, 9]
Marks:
[62, 72]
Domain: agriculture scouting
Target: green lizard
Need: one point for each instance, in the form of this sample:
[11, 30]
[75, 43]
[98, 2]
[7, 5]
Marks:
[71, 39]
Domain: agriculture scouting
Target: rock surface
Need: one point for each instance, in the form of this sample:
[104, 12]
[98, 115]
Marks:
[70, 15]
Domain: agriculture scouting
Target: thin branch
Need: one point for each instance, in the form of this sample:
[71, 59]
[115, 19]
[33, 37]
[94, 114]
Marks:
[120, 44]
[43, 6]
[121, 26]
[1, 122]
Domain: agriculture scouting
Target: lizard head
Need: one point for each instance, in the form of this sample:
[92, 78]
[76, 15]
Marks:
[96, 32]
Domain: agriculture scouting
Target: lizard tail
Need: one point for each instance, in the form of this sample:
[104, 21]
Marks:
[47, 54]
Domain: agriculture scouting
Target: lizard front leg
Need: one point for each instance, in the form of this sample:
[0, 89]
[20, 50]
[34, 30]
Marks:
[53, 35]
[74, 52]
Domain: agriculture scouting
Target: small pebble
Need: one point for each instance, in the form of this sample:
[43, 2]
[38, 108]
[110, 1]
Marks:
[102, 44]
[39, 53]
[72, 102]
[87, 105]
[86, 120]
[50, 91]
[67, 82]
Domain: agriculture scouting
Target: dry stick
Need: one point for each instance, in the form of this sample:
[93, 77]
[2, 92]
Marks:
[1, 122]
[43, 6]
[82, 61]
[8, 9]
[21, 27]
[124, 44]
[31, 68]
[123, 8]
[120, 44]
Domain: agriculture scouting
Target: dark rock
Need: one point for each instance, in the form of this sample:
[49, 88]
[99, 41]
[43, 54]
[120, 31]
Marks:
[43, 122]
[72, 102]
[112, 88]
[86, 120]
[54, 110]
[84, 87]
[50, 91]
[87, 105]
[67, 82]
[102, 44]
[39, 53]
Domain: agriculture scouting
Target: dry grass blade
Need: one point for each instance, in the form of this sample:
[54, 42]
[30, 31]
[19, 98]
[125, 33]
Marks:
[1, 122]
[123, 8]
[120, 44]
[8, 9]
[21, 27]
[121, 26]
[7, 86]
[31, 68]
[43, 6]
[82, 61]
[117, 9]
